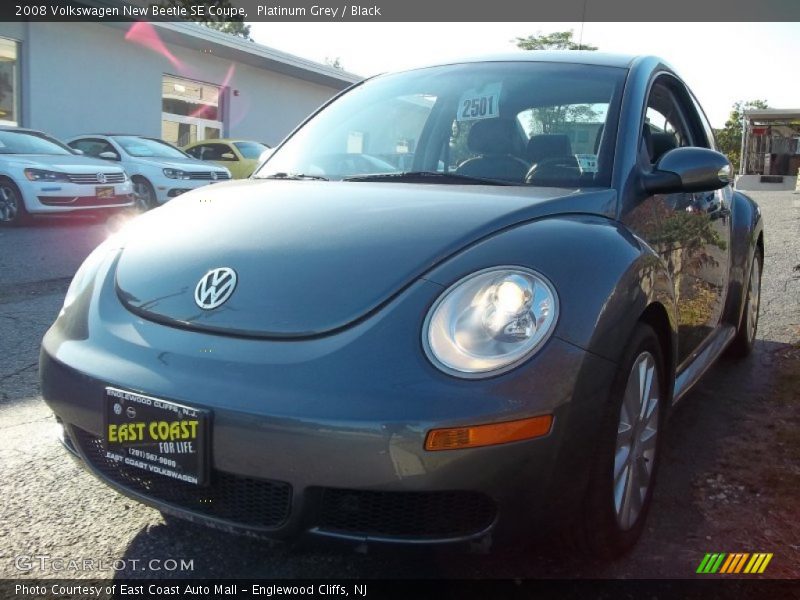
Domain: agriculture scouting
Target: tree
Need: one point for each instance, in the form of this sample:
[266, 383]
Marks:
[231, 25]
[729, 138]
[557, 40]
[551, 119]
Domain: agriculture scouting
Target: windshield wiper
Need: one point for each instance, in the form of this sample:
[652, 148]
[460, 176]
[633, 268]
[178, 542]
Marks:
[294, 176]
[429, 177]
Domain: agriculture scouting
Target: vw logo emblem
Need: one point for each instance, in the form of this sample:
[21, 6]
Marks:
[117, 408]
[101, 178]
[215, 288]
[213, 175]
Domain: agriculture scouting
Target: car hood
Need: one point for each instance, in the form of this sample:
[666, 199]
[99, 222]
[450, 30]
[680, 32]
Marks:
[63, 163]
[191, 164]
[313, 257]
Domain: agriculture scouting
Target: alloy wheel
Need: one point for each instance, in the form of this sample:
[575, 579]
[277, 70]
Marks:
[9, 207]
[637, 430]
[143, 193]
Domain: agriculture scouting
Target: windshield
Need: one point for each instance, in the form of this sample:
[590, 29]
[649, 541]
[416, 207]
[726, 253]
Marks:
[250, 149]
[19, 142]
[148, 147]
[521, 123]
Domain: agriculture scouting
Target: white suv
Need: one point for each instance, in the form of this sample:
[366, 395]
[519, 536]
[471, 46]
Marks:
[159, 171]
[40, 175]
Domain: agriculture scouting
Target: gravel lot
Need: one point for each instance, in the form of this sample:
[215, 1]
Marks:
[728, 481]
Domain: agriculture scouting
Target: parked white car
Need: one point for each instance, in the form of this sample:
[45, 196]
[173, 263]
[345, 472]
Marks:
[159, 171]
[40, 175]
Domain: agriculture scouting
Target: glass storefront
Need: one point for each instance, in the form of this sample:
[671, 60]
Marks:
[191, 110]
[9, 82]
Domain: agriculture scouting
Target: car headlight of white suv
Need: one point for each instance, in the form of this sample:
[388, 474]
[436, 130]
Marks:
[45, 175]
[176, 174]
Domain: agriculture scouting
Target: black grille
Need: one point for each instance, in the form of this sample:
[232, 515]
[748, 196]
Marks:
[406, 514]
[210, 175]
[252, 502]
[85, 200]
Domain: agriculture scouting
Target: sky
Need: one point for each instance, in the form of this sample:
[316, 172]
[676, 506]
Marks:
[721, 62]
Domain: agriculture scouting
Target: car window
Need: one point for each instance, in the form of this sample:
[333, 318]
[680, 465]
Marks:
[251, 150]
[673, 120]
[194, 151]
[24, 142]
[215, 152]
[141, 147]
[525, 123]
[92, 146]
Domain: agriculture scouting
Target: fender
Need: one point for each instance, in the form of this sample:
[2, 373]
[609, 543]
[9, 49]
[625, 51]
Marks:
[747, 227]
[604, 276]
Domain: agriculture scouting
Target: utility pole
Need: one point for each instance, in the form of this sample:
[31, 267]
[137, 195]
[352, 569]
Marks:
[742, 157]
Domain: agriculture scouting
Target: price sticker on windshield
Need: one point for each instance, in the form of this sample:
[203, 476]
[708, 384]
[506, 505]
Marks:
[481, 103]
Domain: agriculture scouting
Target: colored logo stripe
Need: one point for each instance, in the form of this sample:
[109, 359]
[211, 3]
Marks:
[758, 563]
[720, 562]
[711, 563]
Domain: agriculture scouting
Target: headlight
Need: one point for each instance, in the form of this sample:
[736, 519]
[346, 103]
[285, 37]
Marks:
[42, 175]
[88, 270]
[490, 321]
[176, 174]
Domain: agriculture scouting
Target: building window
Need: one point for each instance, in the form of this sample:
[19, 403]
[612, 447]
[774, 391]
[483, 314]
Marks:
[190, 110]
[9, 82]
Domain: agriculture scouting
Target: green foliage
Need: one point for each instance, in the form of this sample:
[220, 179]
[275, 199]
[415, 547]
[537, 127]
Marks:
[555, 119]
[233, 25]
[557, 40]
[552, 119]
[729, 138]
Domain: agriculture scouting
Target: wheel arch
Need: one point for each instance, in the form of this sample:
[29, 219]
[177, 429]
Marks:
[747, 235]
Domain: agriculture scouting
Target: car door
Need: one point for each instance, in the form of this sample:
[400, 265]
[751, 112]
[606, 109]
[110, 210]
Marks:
[690, 231]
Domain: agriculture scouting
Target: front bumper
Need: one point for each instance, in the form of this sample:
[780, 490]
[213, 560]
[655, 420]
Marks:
[44, 198]
[166, 189]
[325, 436]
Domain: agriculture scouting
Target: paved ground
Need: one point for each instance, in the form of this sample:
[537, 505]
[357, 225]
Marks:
[728, 482]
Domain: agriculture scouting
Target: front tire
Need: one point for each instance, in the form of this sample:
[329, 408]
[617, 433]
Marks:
[144, 193]
[12, 207]
[623, 474]
[742, 344]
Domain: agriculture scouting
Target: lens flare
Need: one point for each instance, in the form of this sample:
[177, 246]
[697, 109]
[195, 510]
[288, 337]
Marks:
[145, 34]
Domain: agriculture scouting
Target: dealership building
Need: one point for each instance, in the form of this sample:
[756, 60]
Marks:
[179, 81]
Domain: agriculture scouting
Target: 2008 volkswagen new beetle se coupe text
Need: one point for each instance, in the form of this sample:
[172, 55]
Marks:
[456, 305]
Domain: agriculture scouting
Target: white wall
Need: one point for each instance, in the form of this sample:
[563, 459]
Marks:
[84, 78]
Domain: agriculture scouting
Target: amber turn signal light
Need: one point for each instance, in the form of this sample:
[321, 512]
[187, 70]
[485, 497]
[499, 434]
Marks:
[489, 434]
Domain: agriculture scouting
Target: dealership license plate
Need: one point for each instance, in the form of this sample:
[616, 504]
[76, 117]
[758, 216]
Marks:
[158, 436]
[104, 192]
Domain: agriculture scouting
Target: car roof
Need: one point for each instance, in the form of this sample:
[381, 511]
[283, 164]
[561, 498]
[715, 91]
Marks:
[22, 130]
[582, 57]
[575, 57]
[223, 141]
[113, 135]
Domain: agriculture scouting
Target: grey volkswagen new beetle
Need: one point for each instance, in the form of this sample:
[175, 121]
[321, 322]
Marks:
[456, 305]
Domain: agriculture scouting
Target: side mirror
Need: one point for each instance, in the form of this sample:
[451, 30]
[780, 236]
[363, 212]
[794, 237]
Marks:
[228, 156]
[689, 170]
[108, 156]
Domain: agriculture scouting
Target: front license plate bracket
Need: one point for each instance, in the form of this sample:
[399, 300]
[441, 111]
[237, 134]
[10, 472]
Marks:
[158, 436]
